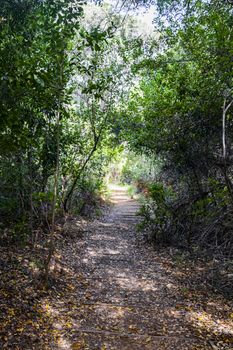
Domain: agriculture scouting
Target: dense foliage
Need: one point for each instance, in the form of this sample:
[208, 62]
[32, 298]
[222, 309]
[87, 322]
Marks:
[80, 82]
[182, 112]
[59, 79]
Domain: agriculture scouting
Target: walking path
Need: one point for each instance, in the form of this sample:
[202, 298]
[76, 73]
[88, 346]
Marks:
[109, 290]
[125, 298]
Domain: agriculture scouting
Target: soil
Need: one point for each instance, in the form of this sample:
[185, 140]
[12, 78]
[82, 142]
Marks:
[114, 292]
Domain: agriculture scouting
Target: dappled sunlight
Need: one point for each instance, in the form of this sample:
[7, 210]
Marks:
[112, 312]
[102, 236]
[136, 284]
[105, 224]
[114, 291]
[101, 251]
[120, 200]
[121, 203]
[205, 321]
[63, 344]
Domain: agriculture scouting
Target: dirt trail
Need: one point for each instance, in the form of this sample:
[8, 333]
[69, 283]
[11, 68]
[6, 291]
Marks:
[125, 298]
[111, 291]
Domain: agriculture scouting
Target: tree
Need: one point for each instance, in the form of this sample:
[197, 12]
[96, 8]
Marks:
[178, 111]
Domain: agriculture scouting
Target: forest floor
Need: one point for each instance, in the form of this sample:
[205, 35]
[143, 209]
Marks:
[111, 292]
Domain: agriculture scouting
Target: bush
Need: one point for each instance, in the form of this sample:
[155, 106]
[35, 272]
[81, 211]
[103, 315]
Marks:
[88, 195]
[156, 213]
[202, 221]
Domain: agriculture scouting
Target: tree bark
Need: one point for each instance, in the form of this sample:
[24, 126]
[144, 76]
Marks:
[51, 247]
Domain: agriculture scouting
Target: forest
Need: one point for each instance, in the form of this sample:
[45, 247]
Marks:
[116, 130]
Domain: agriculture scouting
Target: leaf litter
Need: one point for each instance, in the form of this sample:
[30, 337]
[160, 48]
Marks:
[109, 290]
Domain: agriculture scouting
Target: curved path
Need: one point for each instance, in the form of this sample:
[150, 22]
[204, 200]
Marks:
[125, 297]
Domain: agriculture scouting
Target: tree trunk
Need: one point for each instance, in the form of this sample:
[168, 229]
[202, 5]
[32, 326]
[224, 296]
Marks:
[55, 188]
[71, 190]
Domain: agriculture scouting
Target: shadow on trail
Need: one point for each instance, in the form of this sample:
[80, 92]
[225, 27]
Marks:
[125, 295]
[119, 294]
